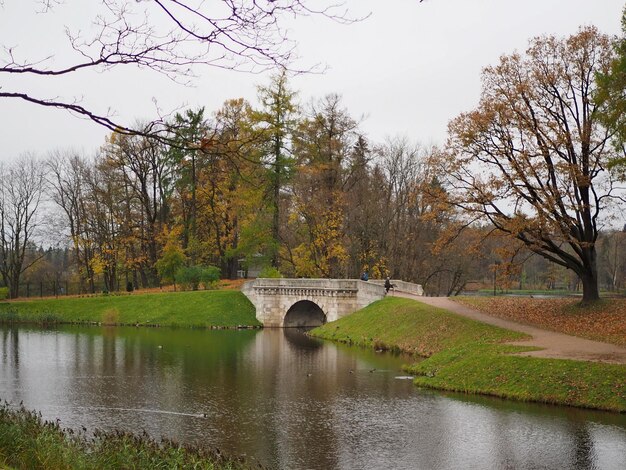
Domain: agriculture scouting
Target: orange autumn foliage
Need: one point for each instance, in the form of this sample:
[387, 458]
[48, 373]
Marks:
[603, 322]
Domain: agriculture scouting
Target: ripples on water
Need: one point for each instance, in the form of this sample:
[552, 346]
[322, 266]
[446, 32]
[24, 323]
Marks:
[289, 402]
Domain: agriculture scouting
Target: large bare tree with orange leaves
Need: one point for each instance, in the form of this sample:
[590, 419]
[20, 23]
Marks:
[531, 158]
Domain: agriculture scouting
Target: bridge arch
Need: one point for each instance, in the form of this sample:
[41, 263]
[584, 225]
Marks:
[304, 313]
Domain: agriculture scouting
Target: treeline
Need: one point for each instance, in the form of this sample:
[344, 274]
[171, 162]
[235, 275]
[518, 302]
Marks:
[286, 189]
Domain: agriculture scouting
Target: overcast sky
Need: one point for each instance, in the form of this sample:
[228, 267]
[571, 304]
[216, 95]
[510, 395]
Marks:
[406, 70]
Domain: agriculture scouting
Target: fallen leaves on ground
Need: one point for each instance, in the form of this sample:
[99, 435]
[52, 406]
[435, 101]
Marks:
[604, 321]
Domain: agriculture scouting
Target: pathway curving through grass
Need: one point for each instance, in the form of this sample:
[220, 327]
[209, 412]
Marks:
[552, 344]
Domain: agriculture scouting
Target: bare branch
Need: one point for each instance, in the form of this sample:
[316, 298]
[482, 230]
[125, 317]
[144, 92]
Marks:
[174, 38]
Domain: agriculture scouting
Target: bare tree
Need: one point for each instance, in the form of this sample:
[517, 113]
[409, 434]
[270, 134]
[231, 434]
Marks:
[531, 158]
[21, 191]
[147, 173]
[404, 238]
[171, 37]
[67, 184]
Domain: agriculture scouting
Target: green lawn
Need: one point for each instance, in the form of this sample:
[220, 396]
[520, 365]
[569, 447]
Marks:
[468, 356]
[185, 309]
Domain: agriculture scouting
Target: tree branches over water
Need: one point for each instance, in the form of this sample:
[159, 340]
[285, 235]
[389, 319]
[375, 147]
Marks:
[176, 38]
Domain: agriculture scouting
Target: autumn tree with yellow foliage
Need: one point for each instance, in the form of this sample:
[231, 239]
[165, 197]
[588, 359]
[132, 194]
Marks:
[322, 146]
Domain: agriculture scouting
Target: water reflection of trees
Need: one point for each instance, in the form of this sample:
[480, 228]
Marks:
[10, 354]
[289, 400]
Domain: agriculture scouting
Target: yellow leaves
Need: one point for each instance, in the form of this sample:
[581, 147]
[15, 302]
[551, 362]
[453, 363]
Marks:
[304, 264]
[134, 262]
[380, 269]
[170, 236]
[173, 256]
[325, 254]
[97, 265]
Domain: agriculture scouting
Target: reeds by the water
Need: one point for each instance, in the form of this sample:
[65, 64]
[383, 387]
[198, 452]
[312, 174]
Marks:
[29, 442]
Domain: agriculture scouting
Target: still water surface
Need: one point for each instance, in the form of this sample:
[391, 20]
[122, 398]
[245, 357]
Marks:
[289, 402]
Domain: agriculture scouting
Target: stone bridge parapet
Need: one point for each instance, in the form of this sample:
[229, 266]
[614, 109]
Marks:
[403, 286]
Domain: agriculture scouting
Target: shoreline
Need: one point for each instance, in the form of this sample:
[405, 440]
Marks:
[466, 356]
[461, 354]
[207, 309]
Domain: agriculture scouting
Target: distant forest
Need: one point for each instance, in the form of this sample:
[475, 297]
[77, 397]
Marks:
[276, 189]
[524, 193]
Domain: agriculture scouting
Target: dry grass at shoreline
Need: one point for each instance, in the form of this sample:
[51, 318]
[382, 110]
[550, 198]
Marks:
[29, 442]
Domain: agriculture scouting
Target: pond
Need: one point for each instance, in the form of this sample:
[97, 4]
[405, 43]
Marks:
[288, 402]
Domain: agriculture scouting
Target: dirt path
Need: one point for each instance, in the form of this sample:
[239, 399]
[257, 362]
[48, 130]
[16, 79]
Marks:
[554, 345]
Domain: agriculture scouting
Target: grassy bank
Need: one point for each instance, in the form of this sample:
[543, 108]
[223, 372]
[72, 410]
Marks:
[26, 442]
[201, 309]
[467, 356]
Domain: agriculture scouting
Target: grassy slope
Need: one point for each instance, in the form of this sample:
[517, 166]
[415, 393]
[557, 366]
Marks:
[469, 356]
[397, 323]
[185, 309]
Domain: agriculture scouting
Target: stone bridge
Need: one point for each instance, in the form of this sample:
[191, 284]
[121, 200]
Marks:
[312, 302]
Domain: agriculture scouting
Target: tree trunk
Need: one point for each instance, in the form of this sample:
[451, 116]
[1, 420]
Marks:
[591, 292]
[276, 201]
[589, 275]
[14, 287]
[229, 268]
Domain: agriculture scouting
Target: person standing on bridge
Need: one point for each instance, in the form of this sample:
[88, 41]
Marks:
[365, 276]
[388, 285]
